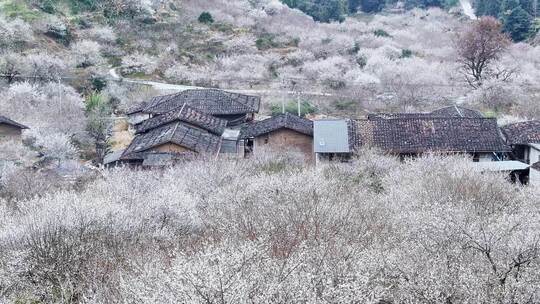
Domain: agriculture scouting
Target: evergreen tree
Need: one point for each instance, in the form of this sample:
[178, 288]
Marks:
[409, 4]
[354, 5]
[528, 6]
[508, 6]
[517, 23]
[488, 7]
[370, 6]
[321, 10]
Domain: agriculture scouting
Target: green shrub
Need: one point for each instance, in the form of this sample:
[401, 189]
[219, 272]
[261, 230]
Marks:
[321, 10]
[98, 83]
[292, 108]
[266, 42]
[355, 49]
[361, 60]
[94, 101]
[206, 18]
[48, 6]
[381, 33]
[406, 53]
[18, 9]
[345, 105]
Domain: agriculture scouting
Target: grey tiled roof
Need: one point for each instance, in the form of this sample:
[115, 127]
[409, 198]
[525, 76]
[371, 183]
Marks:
[432, 134]
[7, 121]
[457, 111]
[282, 121]
[185, 114]
[527, 132]
[375, 116]
[450, 111]
[154, 101]
[210, 101]
[179, 133]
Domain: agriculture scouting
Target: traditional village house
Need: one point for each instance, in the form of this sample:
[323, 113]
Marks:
[524, 138]
[334, 140]
[451, 123]
[168, 143]
[206, 121]
[284, 132]
[185, 114]
[235, 108]
[176, 135]
[413, 136]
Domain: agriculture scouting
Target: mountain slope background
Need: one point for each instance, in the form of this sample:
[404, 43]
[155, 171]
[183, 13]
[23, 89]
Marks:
[56, 56]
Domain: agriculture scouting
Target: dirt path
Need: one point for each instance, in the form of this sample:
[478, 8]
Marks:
[162, 86]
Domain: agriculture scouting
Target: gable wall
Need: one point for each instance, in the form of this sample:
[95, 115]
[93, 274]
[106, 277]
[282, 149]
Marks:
[171, 148]
[534, 155]
[288, 140]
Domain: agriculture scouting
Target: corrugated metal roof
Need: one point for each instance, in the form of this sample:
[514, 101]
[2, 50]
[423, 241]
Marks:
[331, 136]
[500, 166]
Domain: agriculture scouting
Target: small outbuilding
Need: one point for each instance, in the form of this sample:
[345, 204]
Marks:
[334, 140]
[524, 138]
[284, 132]
[10, 130]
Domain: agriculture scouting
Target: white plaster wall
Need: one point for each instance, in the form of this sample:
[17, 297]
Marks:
[485, 157]
[534, 178]
[534, 156]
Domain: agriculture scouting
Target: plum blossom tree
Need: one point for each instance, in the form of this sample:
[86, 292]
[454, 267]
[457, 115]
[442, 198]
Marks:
[86, 53]
[14, 35]
[479, 46]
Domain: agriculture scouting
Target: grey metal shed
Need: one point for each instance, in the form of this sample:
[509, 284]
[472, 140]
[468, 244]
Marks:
[331, 136]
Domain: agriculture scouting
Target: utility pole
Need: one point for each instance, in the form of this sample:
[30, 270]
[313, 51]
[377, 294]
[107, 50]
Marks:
[293, 82]
[284, 94]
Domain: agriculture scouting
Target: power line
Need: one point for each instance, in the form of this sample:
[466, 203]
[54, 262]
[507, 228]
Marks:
[258, 80]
